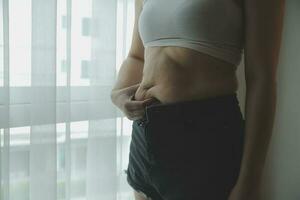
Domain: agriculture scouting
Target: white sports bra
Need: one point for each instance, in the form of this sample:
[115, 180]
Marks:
[214, 27]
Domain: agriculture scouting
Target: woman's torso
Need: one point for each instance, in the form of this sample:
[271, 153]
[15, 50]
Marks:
[175, 74]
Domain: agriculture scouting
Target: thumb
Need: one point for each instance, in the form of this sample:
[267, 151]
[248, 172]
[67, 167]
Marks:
[149, 101]
[135, 86]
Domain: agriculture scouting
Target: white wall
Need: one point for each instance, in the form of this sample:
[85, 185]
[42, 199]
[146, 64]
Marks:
[282, 172]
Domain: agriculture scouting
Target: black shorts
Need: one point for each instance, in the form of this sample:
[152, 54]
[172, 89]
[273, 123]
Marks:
[188, 149]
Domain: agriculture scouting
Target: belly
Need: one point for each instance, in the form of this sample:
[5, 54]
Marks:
[173, 74]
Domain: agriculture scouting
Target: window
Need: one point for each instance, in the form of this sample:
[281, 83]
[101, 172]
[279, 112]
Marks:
[85, 69]
[74, 52]
[86, 26]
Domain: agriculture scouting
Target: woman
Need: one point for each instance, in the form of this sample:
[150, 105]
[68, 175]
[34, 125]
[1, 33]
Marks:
[178, 85]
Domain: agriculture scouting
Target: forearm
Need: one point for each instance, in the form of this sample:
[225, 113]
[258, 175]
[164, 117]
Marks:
[259, 115]
[130, 73]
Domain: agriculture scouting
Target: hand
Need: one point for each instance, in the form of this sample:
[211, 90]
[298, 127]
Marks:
[124, 99]
[245, 192]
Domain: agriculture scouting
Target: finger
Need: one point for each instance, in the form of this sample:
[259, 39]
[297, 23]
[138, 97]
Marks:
[136, 114]
[139, 113]
[142, 104]
[149, 101]
[134, 105]
[134, 87]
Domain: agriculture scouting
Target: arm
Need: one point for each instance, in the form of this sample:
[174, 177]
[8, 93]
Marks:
[131, 70]
[263, 28]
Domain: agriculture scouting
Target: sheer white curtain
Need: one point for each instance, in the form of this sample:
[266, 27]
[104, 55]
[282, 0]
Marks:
[61, 137]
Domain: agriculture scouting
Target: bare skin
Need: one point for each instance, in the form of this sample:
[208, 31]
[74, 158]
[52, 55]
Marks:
[176, 74]
[172, 74]
[139, 196]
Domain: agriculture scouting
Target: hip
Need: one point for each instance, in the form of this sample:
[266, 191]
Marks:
[205, 132]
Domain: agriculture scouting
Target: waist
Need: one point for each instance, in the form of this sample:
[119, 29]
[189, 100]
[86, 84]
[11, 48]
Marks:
[170, 93]
[176, 74]
[210, 105]
[217, 109]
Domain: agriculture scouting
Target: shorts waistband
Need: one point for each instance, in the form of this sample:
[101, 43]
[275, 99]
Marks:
[218, 105]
